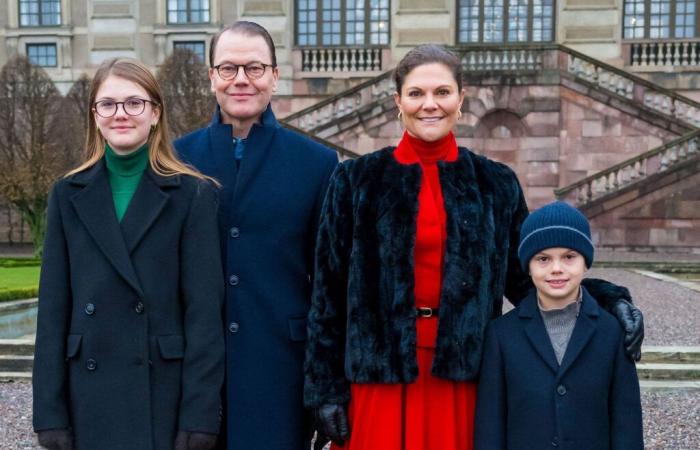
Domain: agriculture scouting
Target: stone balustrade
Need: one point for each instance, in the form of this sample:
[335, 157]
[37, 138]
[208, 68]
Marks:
[341, 59]
[664, 54]
[340, 106]
[501, 59]
[635, 169]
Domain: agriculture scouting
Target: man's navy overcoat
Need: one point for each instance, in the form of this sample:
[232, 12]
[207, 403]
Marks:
[268, 215]
[129, 349]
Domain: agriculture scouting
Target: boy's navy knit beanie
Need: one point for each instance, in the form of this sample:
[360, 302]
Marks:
[555, 225]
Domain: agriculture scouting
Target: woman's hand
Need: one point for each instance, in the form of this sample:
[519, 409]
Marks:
[55, 439]
[195, 441]
[632, 322]
[332, 421]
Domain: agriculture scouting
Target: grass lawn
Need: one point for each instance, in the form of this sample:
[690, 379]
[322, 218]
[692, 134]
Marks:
[18, 282]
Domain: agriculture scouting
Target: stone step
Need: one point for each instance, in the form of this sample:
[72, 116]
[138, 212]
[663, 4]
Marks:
[16, 363]
[668, 385]
[671, 354]
[16, 346]
[15, 376]
[663, 371]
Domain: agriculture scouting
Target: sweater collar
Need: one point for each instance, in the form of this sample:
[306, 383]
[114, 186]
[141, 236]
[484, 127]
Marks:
[413, 150]
[129, 164]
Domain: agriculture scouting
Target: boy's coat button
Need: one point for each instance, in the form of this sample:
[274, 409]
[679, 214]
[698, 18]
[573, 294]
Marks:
[561, 389]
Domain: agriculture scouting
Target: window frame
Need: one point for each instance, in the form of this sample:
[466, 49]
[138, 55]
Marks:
[29, 45]
[188, 12]
[505, 29]
[343, 29]
[184, 44]
[647, 23]
[39, 14]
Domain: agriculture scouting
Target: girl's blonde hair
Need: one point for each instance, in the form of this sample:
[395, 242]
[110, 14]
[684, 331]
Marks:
[161, 155]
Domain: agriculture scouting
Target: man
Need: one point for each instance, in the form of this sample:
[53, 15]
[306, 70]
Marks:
[273, 185]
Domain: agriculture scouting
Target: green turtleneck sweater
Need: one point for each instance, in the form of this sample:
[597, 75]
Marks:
[124, 175]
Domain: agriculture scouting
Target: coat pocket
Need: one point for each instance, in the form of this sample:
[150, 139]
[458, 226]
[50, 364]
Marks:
[171, 347]
[73, 345]
[297, 329]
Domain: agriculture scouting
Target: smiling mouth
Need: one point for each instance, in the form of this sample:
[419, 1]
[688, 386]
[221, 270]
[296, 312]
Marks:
[430, 119]
[556, 283]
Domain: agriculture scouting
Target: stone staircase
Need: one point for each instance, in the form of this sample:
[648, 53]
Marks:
[665, 164]
[370, 104]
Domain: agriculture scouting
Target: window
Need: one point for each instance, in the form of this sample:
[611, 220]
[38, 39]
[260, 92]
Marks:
[342, 22]
[43, 55]
[660, 19]
[196, 47]
[505, 21]
[188, 11]
[35, 13]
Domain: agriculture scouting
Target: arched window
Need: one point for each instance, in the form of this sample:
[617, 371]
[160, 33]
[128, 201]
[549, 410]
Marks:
[342, 22]
[505, 21]
[660, 19]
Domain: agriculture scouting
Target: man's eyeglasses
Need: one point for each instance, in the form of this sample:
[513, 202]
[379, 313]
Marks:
[253, 70]
[132, 106]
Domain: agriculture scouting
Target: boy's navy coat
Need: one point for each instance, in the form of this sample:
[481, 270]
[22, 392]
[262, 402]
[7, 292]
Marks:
[268, 216]
[129, 348]
[527, 401]
[362, 321]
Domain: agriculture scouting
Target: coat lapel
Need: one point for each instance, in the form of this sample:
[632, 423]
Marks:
[583, 331]
[145, 206]
[95, 209]
[536, 331]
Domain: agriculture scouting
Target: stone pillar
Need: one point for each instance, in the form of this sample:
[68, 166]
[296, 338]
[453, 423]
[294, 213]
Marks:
[593, 27]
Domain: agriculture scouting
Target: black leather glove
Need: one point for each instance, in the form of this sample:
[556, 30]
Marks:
[332, 421]
[60, 439]
[194, 441]
[321, 441]
[632, 322]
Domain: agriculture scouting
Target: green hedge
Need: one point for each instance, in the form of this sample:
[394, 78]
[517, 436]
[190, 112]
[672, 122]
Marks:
[7, 295]
[19, 262]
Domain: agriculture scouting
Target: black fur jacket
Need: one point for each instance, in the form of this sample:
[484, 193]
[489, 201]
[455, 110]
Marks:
[362, 321]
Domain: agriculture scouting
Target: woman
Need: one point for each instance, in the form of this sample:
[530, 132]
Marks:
[129, 344]
[416, 248]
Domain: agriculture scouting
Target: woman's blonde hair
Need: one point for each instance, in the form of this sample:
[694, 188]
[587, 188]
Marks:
[161, 155]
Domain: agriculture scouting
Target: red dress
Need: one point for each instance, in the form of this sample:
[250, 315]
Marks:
[431, 413]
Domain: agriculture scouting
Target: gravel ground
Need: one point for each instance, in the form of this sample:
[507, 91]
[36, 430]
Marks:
[671, 312]
[670, 419]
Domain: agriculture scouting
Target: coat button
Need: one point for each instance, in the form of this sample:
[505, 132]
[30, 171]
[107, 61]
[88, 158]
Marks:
[89, 309]
[555, 442]
[233, 327]
[139, 308]
[233, 280]
[561, 389]
[91, 364]
[235, 232]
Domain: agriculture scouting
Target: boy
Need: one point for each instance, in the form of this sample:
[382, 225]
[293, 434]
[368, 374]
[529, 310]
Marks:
[554, 372]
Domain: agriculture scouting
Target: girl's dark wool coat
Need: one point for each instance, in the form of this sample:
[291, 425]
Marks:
[362, 320]
[129, 345]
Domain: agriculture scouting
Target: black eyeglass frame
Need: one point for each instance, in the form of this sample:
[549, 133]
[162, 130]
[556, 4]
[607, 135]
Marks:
[245, 70]
[116, 107]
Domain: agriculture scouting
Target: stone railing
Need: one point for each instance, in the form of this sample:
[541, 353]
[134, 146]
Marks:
[343, 153]
[503, 58]
[670, 53]
[633, 170]
[348, 103]
[341, 59]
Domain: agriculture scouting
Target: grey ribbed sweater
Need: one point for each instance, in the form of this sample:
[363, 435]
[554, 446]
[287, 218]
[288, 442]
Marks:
[560, 324]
